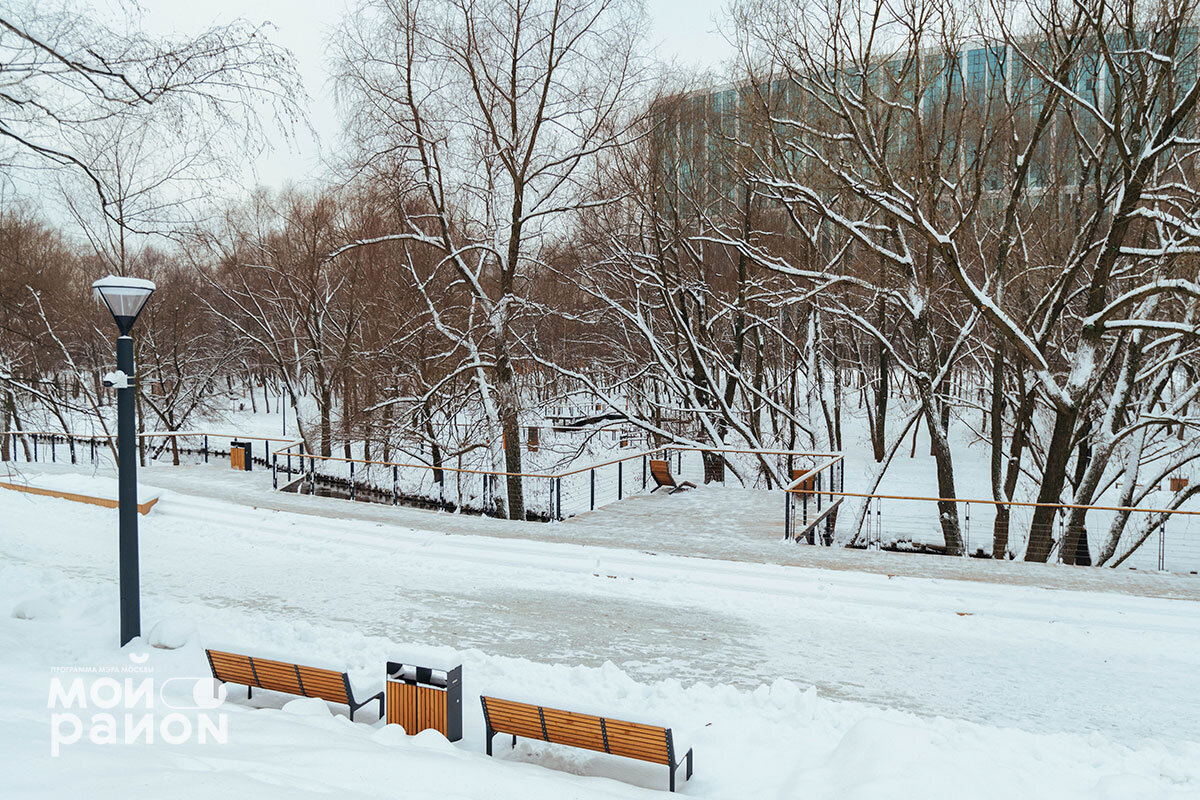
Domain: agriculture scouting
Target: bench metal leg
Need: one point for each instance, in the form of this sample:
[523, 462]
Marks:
[488, 734]
[688, 775]
[367, 702]
[249, 692]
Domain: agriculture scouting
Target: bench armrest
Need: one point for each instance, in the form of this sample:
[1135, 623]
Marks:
[356, 706]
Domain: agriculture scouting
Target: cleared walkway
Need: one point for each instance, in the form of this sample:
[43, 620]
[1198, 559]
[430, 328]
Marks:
[709, 522]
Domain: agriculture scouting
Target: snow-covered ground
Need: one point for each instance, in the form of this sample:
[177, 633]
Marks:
[911, 473]
[789, 681]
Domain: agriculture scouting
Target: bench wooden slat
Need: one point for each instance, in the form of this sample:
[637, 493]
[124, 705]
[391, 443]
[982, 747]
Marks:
[647, 750]
[528, 729]
[580, 730]
[231, 667]
[277, 676]
[324, 683]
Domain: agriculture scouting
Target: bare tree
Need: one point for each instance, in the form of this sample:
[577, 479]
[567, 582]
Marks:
[494, 110]
[69, 75]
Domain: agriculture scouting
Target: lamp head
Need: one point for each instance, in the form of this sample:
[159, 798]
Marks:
[124, 297]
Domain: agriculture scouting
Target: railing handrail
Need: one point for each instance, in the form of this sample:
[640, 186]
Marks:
[577, 471]
[150, 434]
[1022, 503]
[834, 458]
[288, 444]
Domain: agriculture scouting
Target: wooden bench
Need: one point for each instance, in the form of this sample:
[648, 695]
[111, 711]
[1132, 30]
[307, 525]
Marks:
[620, 738]
[282, 676]
[661, 472]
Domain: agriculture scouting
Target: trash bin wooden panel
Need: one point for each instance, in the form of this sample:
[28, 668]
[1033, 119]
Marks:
[240, 456]
[401, 704]
[422, 698]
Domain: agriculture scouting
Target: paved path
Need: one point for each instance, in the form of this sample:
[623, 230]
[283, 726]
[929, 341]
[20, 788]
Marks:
[726, 524]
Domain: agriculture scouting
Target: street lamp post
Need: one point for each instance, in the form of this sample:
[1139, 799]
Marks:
[125, 298]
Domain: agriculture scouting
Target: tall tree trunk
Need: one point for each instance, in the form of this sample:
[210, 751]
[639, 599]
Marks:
[5, 443]
[996, 441]
[347, 413]
[510, 424]
[325, 401]
[938, 442]
[1054, 475]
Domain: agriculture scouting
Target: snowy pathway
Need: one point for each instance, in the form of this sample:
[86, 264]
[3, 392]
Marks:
[998, 654]
[717, 523]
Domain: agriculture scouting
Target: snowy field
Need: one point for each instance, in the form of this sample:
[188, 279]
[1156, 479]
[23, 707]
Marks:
[789, 681]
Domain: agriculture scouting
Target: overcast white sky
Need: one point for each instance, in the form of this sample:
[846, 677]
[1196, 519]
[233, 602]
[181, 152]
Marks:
[682, 30]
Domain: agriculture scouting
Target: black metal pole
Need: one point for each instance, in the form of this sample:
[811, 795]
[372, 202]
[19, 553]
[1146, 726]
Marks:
[131, 622]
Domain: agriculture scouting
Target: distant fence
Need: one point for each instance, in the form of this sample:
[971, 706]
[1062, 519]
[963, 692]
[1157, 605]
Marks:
[547, 495]
[464, 483]
[175, 447]
[1153, 539]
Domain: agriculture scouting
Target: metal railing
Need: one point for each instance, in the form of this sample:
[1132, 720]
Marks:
[466, 484]
[179, 446]
[1144, 538]
[812, 498]
[550, 495]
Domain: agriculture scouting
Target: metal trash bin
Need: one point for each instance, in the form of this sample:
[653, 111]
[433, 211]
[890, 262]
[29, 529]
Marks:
[421, 698]
[240, 456]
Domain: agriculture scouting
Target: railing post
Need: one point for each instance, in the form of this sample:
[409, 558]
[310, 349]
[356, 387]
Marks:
[644, 473]
[558, 496]
[395, 485]
[93, 449]
[967, 530]
[818, 493]
[275, 472]
[1062, 534]
[351, 480]
[787, 514]
[35, 448]
[206, 448]
[289, 466]
[592, 473]
[312, 475]
[1162, 546]
[879, 523]
[71, 444]
[53, 452]
[620, 479]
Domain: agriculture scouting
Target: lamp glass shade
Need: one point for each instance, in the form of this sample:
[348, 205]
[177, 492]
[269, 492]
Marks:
[124, 297]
